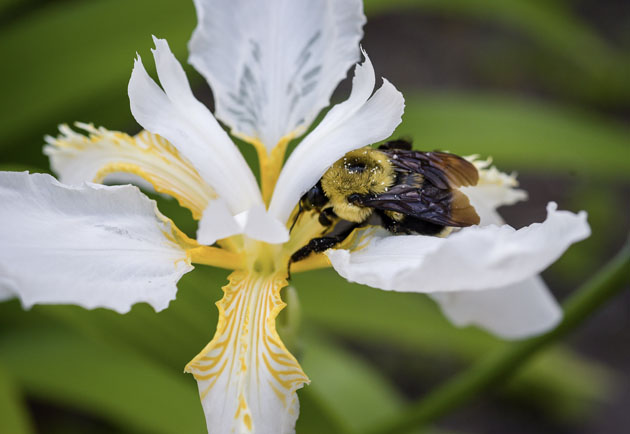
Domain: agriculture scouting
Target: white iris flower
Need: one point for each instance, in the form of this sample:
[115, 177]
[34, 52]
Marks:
[272, 67]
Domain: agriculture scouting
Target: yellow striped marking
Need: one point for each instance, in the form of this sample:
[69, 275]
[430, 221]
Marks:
[246, 346]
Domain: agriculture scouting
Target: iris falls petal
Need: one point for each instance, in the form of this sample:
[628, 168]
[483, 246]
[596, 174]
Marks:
[475, 258]
[247, 379]
[90, 245]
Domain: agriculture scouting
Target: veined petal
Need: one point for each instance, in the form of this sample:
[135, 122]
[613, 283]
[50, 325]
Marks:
[273, 65]
[178, 116]
[91, 245]
[360, 120]
[77, 158]
[515, 311]
[493, 190]
[475, 258]
[247, 379]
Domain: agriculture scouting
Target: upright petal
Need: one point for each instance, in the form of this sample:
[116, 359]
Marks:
[515, 311]
[360, 120]
[91, 245]
[77, 159]
[475, 258]
[274, 64]
[176, 115]
[247, 379]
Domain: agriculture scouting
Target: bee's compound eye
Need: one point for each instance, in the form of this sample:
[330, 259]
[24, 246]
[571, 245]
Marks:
[314, 198]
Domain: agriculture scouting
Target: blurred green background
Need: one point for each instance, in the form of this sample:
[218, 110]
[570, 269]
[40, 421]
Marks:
[543, 86]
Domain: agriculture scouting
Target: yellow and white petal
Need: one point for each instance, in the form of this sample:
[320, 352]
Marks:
[274, 64]
[516, 311]
[494, 189]
[247, 379]
[91, 245]
[360, 120]
[475, 258]
[78, 158]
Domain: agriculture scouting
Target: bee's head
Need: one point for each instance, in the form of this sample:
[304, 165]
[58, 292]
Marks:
[363, 171]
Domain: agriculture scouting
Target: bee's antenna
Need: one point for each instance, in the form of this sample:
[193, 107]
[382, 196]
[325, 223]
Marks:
[300, 209]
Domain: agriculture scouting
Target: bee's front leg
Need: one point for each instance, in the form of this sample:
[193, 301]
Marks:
[327, 217]
[321, 244]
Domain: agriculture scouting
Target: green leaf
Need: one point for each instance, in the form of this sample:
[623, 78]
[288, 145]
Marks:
[6, 6]
[551, 23]
[348, 385]
[104, 380]
[71, 61]
[518, 133]
[14, 417]
[172, 337]
[560, 382]
[345, 389]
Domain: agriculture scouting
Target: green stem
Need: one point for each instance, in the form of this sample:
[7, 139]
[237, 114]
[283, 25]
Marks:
[499, 365]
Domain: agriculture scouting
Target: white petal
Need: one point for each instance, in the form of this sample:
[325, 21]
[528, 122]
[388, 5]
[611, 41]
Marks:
[110, 155]
[494, 189]
[515, 311]
[176, 115]
[217, 223]
[94, 246]
[262, 226]
[475, 258]
[274, 64]
[357, 122]
[247, 379]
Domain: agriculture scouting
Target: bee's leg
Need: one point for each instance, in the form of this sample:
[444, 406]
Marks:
[321, 244]
[327, 217]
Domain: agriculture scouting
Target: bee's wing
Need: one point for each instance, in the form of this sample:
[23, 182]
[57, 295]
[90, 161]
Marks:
[442, 207]
[440, 168]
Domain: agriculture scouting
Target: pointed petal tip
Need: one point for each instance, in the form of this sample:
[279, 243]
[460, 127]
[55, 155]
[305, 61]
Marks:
[265, 227]
[219, 222]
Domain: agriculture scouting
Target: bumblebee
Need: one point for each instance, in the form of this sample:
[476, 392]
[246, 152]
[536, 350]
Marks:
[393, 186]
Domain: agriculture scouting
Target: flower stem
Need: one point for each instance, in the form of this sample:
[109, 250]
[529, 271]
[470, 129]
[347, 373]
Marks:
[499, 365]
